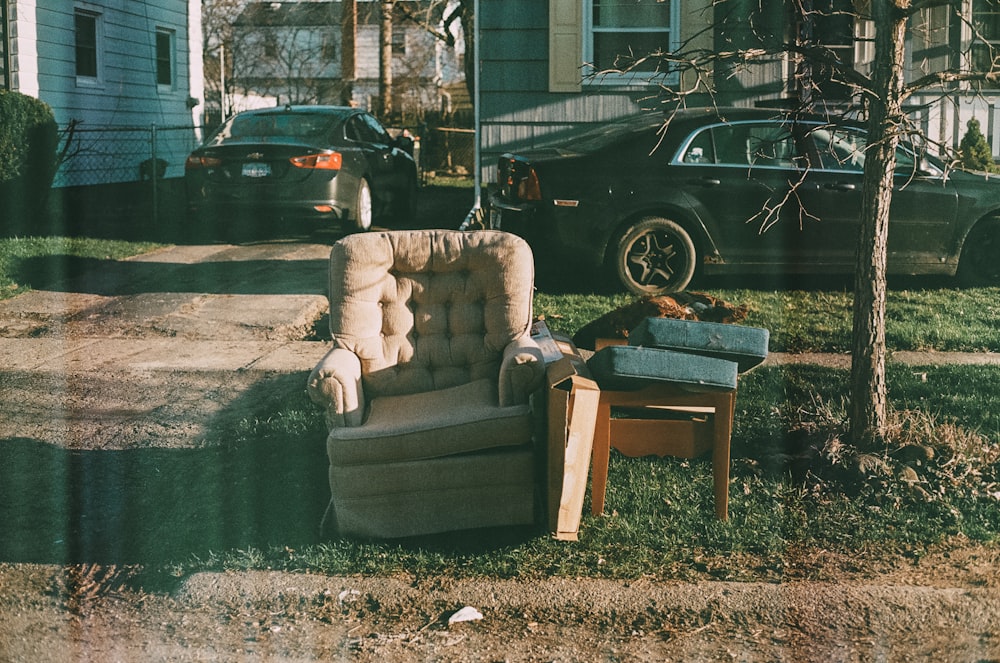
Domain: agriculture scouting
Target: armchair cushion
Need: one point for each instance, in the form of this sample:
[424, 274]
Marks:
[432, 424]
[426, 310]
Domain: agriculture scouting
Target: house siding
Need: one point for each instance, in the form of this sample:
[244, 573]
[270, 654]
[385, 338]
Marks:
[517, 110]
[114, 113]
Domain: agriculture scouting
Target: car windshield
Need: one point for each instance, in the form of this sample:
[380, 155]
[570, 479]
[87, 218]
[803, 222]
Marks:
[299, 126]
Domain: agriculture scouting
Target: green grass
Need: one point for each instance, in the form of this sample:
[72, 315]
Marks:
[659, 519]
[945, 319]
[253, 496]
[17, 252]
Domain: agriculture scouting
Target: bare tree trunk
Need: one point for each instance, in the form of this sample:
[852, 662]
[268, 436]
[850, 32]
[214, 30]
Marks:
[869, 397]
[348, 58]
[385, 60]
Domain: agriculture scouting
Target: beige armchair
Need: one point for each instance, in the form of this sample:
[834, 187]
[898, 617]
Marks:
[428, 388]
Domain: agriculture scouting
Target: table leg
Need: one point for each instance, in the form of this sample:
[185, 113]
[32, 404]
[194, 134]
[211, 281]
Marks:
[600, 456]
[723, 429]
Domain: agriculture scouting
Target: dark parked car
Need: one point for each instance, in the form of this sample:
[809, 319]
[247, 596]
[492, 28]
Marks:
[317, 162]
[738, 190]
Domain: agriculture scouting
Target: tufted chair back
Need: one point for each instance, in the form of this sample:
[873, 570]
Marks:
[430, 309]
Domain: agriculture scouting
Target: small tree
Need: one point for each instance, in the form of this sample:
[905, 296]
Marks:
[974, 151]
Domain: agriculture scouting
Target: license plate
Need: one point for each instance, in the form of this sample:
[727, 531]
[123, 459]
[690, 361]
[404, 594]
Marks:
[256, 170]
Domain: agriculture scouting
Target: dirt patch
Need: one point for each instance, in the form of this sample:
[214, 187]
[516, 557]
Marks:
[291, 617]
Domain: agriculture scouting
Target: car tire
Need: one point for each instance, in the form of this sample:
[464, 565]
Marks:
[654, 256]
[363, 207]
[978, 264]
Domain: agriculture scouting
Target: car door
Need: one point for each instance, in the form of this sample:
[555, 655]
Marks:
[743, 177]
[922, 214]
[375, 147]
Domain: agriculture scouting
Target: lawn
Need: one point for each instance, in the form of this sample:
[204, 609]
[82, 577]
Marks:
[796, 484]
[926, 317]
[16, 252]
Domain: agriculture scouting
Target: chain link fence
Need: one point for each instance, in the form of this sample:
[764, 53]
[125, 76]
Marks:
[112, 155]
[447, 151]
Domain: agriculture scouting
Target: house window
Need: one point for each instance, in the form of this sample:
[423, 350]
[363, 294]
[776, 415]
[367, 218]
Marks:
[985, 36]
[86, 34]
[619, 32]
[398, 42]
[270, 46]
[329, 51]
[830, 24]
[165, 58]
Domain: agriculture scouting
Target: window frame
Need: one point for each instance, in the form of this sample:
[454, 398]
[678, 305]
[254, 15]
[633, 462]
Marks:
[87, 78]
[980, 42]
[637, 78]
[171, 59]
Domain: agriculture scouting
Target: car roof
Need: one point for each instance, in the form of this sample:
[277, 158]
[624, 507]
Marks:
[340, 111]
[680, 124]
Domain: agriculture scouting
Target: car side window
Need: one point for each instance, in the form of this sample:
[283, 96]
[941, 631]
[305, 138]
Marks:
[700, 149]
[378, 132]
[358, 130]
[840, 149]
[770, 145]
[751, 144]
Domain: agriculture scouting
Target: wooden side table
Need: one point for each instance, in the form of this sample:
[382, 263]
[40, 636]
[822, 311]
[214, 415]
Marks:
[707, 424]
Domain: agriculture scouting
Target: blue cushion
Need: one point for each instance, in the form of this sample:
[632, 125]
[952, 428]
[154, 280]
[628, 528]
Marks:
[623, 368]
[747, 346]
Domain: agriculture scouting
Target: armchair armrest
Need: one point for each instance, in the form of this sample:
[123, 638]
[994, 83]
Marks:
[335, 384]
[522, 371]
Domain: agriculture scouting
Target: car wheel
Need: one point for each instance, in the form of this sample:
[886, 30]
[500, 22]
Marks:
[363, 207]
[654, 256]
[978, 265]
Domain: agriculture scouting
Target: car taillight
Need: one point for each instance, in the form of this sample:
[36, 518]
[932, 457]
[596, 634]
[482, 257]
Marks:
[331, 161]
[195, 162]
[527, 187]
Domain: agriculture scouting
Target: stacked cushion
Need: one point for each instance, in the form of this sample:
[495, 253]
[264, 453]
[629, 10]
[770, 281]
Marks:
[747, 346]
[623, 368]
[698, 356]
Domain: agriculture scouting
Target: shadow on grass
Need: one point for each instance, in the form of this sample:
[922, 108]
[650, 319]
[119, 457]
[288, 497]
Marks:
[254, 487]
[114, 278]
[258, 483]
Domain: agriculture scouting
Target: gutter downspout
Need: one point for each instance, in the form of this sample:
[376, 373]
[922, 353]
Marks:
[473, 218]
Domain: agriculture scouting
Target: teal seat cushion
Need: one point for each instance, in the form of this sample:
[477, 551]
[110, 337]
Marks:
[747, 346]
[625, 368]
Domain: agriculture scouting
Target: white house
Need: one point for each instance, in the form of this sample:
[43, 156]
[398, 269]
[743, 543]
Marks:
[328, 52]
[125, 74]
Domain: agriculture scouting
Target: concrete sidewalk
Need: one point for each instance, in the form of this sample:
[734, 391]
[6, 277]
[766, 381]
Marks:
[75, 355]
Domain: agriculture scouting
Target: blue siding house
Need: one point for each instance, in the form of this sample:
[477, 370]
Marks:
[114, 70]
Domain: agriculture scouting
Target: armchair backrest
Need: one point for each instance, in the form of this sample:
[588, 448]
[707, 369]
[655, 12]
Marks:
[429, 309]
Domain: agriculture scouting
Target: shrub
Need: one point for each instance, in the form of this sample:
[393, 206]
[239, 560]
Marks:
[975, 151]
[28, 141]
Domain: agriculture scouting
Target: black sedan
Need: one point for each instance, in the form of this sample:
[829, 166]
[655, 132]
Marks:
[328, 163]
[747, 190]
